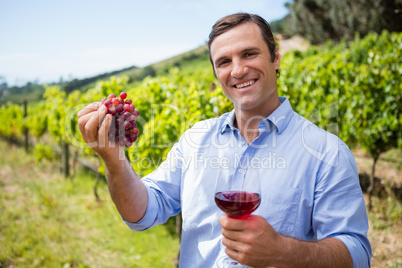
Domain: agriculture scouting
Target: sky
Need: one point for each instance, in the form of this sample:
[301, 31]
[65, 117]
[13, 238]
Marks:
[45, 40]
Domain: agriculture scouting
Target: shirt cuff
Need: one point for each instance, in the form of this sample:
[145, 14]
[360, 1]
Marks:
[150, 215]
[361, 255]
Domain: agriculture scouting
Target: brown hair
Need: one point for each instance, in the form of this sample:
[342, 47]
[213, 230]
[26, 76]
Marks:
[228, 22]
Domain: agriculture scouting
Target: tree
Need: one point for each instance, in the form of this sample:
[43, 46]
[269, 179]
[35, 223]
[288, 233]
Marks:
[319, 20]
[374, 104]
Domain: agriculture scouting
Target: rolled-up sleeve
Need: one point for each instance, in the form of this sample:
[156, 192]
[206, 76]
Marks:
[339, 208]
[150, 214]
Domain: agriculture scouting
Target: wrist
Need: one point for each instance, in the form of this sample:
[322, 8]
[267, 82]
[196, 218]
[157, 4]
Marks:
[111, 154]
[284, 249]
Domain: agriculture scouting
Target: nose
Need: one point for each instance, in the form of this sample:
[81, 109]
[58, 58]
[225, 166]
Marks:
[239, 69]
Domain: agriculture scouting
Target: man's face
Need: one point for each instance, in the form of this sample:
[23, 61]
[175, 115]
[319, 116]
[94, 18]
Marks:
[244, 68]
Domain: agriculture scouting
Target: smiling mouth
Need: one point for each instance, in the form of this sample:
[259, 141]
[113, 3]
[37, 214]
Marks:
[249, 83]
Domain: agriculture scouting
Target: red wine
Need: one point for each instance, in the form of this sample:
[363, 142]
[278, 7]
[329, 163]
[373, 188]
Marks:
[237, 204]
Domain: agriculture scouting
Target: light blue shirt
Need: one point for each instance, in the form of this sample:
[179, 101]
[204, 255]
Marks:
[309, 180]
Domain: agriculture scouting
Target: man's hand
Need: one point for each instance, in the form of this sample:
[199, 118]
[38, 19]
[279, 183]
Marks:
[250, 241]
[126, 189]
[253, 242]
[94, 126]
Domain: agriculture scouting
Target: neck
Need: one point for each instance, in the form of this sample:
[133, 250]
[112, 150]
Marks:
[247, 121]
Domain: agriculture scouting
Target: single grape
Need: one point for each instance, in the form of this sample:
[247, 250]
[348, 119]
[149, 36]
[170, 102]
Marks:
[112, 110]
[111, 96]
[132, 118]
[127, 107]
[126, 115]
[127, 124]
[115, 101]
[133, 138]
[128, 101]
[108, 104]
[119, 108]
[123, 95]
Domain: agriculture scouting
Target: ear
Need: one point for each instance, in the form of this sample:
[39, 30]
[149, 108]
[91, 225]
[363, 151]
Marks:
[277, 61]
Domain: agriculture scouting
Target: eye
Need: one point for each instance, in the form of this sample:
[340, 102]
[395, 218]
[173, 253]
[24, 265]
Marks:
[223, 62]
[249, 54]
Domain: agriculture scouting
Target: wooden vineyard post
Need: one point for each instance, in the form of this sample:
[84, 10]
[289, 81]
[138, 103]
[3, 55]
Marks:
[65, 159]
[26, 141]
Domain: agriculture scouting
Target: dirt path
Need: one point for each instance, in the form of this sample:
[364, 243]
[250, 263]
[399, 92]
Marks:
[294, 42]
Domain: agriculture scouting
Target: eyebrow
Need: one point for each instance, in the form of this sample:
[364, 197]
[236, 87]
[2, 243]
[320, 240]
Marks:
[243, 51]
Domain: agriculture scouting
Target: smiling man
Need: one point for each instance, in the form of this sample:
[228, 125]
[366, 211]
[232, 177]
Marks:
[312, 212]
[246, 71]
[246, 62]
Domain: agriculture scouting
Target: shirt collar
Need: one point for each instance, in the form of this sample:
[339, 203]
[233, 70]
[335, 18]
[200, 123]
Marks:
[282, 115]
[279, 118]
[229, 122]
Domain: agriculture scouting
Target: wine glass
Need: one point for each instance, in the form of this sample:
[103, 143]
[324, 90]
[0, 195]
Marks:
[238, 197]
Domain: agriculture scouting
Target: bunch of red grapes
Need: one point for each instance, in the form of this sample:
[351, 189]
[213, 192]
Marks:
[123, 128]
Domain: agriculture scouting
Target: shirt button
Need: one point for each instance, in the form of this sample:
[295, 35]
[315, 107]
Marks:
[240, 171]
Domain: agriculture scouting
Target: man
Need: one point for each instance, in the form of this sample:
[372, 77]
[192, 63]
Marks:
[312, 212]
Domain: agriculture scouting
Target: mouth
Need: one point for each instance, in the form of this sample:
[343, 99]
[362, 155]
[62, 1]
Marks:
[245, 84]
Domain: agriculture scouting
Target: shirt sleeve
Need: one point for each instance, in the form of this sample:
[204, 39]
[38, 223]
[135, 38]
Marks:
[339, 208]
[163, 189]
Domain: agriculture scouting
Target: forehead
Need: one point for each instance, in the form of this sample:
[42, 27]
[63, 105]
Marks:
[242, 36]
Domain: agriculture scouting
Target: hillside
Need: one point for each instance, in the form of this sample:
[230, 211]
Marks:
[33, 91]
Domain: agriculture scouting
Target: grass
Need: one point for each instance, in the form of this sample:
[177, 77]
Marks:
[386, 211]
[49, 221]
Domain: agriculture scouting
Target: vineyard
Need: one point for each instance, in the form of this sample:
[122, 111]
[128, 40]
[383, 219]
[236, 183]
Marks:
[352, 89]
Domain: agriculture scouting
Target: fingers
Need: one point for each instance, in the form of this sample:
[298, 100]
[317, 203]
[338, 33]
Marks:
[89, 121]
[247, 240]
[232, 235]
[232, 231]
[234, 254]
[231, 223]
[93, 124]
[245, 230]
[89, 109]
[84, 115]
[236, 250]
[231, 244]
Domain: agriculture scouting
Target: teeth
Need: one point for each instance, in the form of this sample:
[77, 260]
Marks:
[249, 83]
